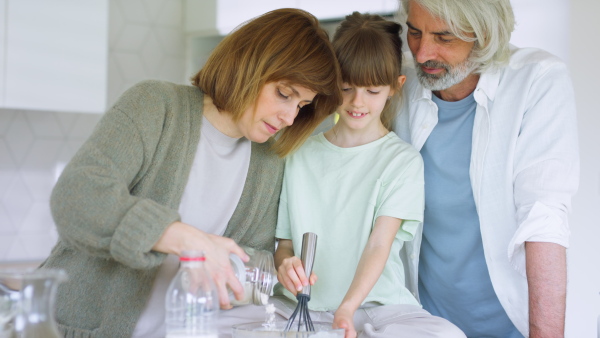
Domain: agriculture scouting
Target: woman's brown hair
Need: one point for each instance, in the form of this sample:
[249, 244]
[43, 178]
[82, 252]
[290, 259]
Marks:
[282, 45]
[369, 50]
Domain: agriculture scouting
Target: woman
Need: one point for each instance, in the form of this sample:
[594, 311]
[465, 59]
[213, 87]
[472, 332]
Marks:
[172, 168]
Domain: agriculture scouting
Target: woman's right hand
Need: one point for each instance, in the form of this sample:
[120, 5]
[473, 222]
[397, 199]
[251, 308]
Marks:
[290, 271]
[179, 237]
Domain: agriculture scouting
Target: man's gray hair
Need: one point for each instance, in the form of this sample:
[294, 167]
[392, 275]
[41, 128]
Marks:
[491, 21]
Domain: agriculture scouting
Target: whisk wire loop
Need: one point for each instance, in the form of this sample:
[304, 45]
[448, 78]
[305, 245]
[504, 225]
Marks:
[302, 312]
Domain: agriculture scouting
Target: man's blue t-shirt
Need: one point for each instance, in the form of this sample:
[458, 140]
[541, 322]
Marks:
[454, 281]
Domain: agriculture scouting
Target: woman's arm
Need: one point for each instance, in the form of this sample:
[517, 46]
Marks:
[369, 269]
[92, 203]
[290, 271]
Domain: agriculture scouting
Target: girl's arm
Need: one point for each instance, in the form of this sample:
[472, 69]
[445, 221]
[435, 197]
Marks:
[290, 271]
[369, 269]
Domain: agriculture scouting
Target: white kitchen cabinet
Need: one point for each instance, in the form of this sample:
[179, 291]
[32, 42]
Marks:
[220, 17]
[207, 21]
[337, 10]
[55, 54]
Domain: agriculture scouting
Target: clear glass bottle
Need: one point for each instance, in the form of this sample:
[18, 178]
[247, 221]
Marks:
[192, 301]
[257, 276]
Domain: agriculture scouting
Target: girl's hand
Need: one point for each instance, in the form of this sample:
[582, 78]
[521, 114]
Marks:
[290, 271]
[179, 237]
[343, 319]
[292, 276]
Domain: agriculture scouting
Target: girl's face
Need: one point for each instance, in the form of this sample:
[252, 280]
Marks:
[276, 107]
[362, 106]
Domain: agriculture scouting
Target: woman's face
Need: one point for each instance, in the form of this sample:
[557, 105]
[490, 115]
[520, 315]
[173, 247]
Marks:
[276, 107]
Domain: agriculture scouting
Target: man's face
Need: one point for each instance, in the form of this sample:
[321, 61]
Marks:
[441, 58]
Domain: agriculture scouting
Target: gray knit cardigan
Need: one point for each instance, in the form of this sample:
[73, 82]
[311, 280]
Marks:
[120, 192]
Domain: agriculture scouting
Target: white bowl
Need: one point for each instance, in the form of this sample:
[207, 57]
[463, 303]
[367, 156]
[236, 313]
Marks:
[257, 329]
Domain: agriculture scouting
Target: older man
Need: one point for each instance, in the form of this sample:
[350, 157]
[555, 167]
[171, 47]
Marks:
[496, 127]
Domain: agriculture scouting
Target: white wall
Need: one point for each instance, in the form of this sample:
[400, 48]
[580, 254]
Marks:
[583, 303]
[569, 29]
[146, 41]
[536, 25]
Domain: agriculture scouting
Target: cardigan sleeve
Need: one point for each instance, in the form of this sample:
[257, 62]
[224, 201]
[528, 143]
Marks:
[91, 203]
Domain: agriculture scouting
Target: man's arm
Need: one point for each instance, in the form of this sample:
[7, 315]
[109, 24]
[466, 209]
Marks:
[546, 168]
[547, 281]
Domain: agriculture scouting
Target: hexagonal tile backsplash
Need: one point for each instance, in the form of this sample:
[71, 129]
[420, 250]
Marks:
[34, 148]
[146, 41]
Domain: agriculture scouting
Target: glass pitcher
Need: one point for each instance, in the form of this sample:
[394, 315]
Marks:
[27, 303]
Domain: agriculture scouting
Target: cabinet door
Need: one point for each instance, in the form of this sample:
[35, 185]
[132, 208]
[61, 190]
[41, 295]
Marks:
[56, 55]
[328, 10]
[232, 13]
[220, 17]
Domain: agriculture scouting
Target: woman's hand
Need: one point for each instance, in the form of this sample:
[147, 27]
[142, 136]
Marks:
[179, 237]
[290, 271]
[344, 319]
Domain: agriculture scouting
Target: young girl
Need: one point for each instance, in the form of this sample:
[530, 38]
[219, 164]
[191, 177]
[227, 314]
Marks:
[360, 189]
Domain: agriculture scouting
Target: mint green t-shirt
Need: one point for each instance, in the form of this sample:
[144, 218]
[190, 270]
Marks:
[338, 193]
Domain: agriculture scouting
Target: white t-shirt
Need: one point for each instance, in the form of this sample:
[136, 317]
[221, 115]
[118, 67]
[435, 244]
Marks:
[211, 195]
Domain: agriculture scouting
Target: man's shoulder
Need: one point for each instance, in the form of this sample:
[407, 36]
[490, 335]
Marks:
[525, 67]
[532, 57]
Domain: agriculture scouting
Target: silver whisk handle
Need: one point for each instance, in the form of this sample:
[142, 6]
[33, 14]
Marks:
[309, 247]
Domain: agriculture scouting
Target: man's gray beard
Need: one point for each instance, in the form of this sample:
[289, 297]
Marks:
[453, 74]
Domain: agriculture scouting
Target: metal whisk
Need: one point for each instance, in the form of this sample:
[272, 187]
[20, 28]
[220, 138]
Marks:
[309, 246]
